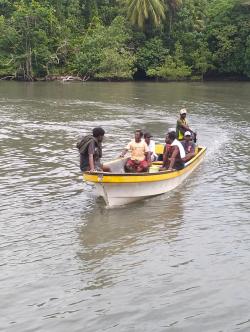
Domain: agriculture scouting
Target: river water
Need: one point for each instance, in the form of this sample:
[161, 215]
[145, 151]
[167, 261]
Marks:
[177, 262]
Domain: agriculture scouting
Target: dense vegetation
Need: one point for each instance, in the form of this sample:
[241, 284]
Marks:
[124, 39]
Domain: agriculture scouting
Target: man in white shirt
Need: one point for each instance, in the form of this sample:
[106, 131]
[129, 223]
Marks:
[151, 145]
[176, 153]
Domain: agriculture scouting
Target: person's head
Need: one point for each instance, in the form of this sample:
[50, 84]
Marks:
[138, 135]
[98, 133]
[171, 136]
[147, 137]
[183, 113]
[187, 136]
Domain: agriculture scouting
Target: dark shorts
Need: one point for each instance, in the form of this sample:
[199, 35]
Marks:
[84, 166]
[179, 165]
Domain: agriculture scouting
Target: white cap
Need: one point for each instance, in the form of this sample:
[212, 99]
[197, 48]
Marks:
[170, 130]
[187, 133]
[183, 111]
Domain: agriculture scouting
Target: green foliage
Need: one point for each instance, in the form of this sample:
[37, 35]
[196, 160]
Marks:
[6, 8]
[112, 39]
[141, 11]
[152, 54]
[115, 65]
[228, 33]
[26, 40]
[103, 50]
[174, 68]
[247, 58]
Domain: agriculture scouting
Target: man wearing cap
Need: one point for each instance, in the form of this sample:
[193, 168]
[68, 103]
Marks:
[140, 155]
[151, 145]
[182, 125]
[189, 146]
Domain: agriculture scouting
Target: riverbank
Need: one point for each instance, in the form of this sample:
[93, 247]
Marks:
[70, 78]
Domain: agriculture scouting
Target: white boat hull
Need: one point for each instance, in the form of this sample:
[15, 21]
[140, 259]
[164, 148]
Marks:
[116, 194]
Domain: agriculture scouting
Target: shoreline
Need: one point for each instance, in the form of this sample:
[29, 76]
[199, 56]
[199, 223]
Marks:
[76, 79]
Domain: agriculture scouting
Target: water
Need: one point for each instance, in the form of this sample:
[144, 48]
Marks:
[177, 262]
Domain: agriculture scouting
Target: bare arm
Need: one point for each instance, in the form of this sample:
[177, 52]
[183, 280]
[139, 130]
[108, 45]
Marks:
[173, 157]
[189, 156]
[91, 162]
[164, 156]
[148, 156]
[185, 127]
[123, 153]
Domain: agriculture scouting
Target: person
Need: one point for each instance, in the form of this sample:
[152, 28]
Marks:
[151, 145]
[140, 155]
[182, 125]
[90, 149]
[174, 153]
[189, 146]
[167, 151]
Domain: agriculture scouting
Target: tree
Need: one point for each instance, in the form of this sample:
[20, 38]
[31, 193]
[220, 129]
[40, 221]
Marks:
[247, 58]
[227, 34]
[115, 64]
[103, 51]
[151, 55]
[27, 38]
[174, 68]
[94, 38]
[142, 11]
[172, 7]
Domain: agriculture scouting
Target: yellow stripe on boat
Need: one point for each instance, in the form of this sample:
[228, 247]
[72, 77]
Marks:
[97, 177]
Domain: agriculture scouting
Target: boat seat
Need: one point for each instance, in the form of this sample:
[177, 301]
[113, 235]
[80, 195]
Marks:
[117, 166]
[159, 149]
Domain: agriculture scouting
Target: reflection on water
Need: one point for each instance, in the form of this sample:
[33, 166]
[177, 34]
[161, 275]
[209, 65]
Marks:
[175, 262]
[111, 232]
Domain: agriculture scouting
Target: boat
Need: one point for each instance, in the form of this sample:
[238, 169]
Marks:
[120, 188]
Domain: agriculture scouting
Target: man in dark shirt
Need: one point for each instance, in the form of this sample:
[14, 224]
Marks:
[189, 146]
[182, 125]
[90, 149]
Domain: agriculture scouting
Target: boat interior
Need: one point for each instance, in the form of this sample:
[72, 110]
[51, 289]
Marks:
[118, 166]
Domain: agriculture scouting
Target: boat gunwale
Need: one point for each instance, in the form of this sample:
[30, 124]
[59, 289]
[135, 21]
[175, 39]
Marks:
[100, 176]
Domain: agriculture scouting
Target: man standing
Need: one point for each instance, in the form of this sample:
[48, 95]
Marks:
[140, 155]
[182, 125]
[90, 149]
[189, 146]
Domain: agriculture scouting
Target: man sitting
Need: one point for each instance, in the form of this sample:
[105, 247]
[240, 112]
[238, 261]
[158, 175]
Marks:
[151, 146]
[139, 150]
[189, 146]
[174, 153]
[167, 151]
